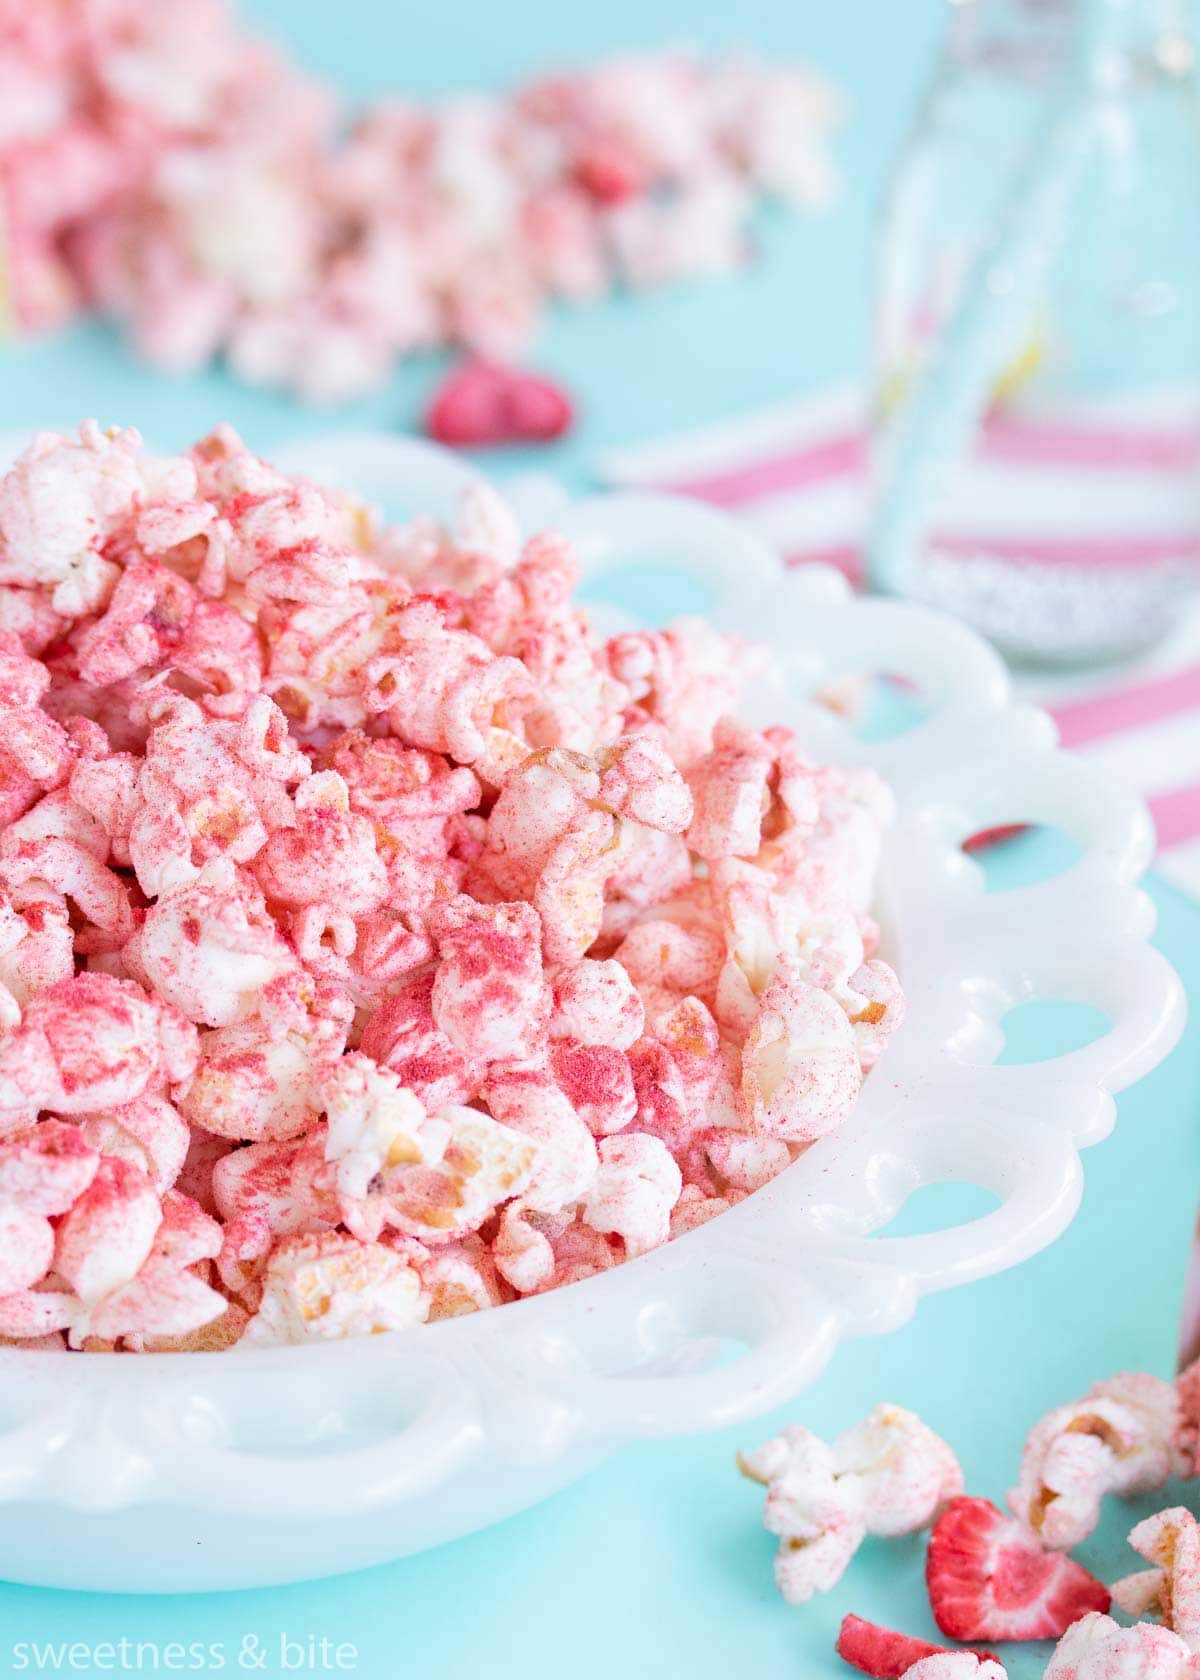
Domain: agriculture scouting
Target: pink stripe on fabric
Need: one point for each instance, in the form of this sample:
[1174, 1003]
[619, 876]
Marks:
[846, 557]
[1089, 552]
[836, 457]
[1007, 440]
[1176, 816]
[1012, 440]
[1081, 722]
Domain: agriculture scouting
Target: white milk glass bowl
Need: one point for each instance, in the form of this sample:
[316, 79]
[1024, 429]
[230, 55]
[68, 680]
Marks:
[169, 1472]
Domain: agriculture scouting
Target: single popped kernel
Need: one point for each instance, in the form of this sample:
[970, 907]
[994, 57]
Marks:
[905, 1473]
[379, 944]
[1170, 1591]
[1121, 1438]
[818, 1519]
[636, 1185]
[324, 1288]
[887, 1476]
[1096, 1648]
[800, 1068]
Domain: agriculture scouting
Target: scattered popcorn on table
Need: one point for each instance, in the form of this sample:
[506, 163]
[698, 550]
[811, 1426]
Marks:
[377, 944]
[888, 1476]
[1122, 1437]
[990, 1579]
[161, 167]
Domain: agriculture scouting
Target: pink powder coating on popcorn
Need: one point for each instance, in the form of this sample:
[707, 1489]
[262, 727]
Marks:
[1122, 1438]
[1171, 1589]
[1096, 1648]
[378, 944]
[167, 170]
[887, 1476]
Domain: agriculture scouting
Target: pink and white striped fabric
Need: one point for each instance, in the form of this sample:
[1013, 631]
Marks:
[796, 473]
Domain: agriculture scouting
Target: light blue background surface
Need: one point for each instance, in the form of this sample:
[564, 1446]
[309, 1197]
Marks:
[658, 1561]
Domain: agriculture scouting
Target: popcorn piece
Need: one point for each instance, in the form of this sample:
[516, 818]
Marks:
[818, 1520]
[1121, 1438]
[43, 1172]
[1171, 1590]
[596, 1004]
[328, 1287]
[988, 1578]
[166, 1297]
[1095, 1648]
[488, 996]
[800, 1070]
[211, 946]
[635, 1188]
[888, 1476]
[88, 1043]
[904, 1471]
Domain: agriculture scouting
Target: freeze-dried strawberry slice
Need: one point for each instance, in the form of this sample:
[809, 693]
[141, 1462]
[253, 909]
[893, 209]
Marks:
[884, 1653]
[988, 1578]
[482, 403]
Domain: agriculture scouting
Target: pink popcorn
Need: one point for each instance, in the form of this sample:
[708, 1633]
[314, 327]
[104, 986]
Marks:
[36, 946]
[637, 1184]
[489, 997]
[1096, 1648]
[211, 946]
[904, 1472]
[325, 1287]
[91, 1042]
[1121, 1438]
[149, 1132]
[800, 1069]
[596, 1004]
[1171, 1590]
[597, 1081]
[392, 945]
[329, 857]
[162, 167]
[165, 1297]
[261, 1078]
[888, 1476]
[819, 1524]
[564, 1159]
[43, 1172]
[403, 1035]
[268, 1191]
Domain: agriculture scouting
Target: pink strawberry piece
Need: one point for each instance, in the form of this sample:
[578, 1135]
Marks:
[989, 1578]
[609, 173]
[886, 1654]
[992, 836]
[482, 403]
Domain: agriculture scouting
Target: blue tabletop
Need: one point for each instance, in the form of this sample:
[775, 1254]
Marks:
[658, 1559]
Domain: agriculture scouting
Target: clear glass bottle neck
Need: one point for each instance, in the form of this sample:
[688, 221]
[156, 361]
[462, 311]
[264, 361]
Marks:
[1033, 37]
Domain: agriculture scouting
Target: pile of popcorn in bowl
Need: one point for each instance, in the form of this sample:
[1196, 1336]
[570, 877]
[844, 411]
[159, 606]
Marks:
[377, 942]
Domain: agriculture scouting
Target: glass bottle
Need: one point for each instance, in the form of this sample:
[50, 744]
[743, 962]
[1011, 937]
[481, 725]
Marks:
[1037, 392]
